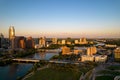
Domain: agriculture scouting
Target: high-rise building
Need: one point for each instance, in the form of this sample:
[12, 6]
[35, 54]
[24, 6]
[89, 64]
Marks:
[20, 42]
[91, 50]
[63, 42]
[0, 42]
[4, 41]
[11, 32]
[1, 35]
[117, 54]
[54, 40]
[36, 40]
[83, 41]
[12, 36]
[30, 42]
[42, 42]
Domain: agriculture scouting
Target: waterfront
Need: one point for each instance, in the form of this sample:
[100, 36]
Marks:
[16, 70]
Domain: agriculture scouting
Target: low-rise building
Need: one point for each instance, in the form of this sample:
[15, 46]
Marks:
[37, 46]
[87, 58]
[76, 42]
[76, 51]
[65, 50]
[81, 50]
[100, 58]
[96, 58]
[59, 42]
[110, 45]
[68, 42]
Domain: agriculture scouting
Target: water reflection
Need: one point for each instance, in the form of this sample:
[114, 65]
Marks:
[44, 56]
[40, 56]
[15, 70]
[12, 70]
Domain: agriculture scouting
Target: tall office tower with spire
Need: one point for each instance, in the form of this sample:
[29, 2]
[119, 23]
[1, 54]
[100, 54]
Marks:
[11, 32]
[12, 36]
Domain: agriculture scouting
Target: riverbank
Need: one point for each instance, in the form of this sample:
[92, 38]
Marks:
[33, 72]
[5, 62]
[14, 70]
[16, 54]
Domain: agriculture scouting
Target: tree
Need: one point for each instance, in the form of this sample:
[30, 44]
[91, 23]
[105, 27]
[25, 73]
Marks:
[35, 67]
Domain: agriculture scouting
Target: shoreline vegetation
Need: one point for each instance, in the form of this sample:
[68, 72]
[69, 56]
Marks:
[5, 62]
[35, 68]
[16, 54]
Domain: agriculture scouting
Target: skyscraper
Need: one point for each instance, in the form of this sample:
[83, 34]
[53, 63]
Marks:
[0, 42]
[11, 32]
[29, 43]
[1, 39]
[11, 36]
[19, 42]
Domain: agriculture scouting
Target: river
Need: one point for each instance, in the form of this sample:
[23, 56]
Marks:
[15, 70]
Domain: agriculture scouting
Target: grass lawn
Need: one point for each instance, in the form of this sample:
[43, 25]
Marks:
[52, 74]
[114, 67]
[104, 78]
[111, 70]
[114, 73]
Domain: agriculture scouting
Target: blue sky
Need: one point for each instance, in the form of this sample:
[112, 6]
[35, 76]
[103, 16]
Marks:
[61, 18]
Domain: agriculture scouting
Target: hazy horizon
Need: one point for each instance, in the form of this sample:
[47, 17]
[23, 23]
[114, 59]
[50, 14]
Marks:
[61, 18]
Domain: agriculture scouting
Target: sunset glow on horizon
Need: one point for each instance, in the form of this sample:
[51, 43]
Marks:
[61, 18]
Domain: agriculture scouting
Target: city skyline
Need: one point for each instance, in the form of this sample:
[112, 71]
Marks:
[61, 18]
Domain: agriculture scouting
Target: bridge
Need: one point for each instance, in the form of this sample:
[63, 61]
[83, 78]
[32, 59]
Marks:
[38, 60]
[26, 60]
